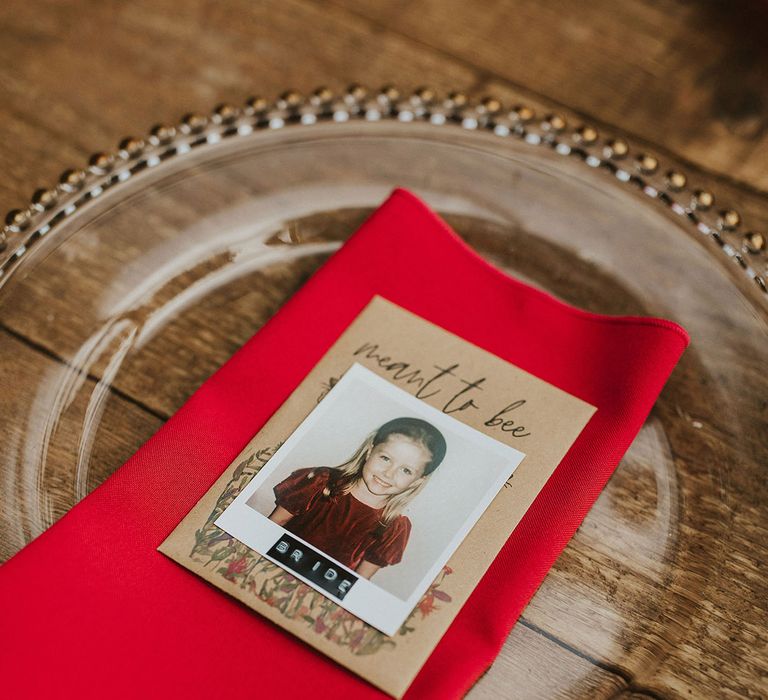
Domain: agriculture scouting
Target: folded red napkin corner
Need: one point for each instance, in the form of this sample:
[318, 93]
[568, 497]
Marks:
[91, 609]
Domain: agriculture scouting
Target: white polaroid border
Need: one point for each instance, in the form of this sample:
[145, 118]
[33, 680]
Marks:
[372, 604]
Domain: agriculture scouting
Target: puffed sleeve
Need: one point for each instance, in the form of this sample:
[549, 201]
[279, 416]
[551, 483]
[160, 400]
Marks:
[299, 491]
[389, 547]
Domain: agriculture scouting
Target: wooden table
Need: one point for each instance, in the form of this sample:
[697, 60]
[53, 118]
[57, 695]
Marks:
[684, 79]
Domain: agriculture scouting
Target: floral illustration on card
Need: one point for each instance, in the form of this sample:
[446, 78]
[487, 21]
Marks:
[268, 582]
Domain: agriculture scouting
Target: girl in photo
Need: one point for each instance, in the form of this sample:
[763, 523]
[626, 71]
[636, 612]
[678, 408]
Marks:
[353, 512]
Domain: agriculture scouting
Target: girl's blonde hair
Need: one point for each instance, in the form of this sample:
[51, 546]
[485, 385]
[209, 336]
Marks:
[415, 429]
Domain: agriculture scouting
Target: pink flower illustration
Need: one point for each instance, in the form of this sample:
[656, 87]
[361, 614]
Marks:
[237, 566]
[426, 605]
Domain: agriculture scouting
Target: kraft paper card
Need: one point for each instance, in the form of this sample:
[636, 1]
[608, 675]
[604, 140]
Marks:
[363, 514]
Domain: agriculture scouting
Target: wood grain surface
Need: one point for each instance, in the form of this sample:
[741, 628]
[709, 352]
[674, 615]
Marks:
[688, 79]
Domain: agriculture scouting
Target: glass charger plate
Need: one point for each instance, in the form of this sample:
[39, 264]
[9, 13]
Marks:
[132, 281]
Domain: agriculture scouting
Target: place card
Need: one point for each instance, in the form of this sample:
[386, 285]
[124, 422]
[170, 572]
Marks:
[361, 516]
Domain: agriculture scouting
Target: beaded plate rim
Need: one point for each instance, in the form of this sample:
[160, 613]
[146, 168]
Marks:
[49, 208]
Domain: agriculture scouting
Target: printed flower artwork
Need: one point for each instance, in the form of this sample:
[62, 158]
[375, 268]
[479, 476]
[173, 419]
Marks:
[327, 386]
[243, 567]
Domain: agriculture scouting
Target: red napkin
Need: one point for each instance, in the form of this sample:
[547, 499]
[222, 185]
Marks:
[91, 609]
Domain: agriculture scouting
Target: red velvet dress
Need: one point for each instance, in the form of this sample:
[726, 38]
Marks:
[340, 526]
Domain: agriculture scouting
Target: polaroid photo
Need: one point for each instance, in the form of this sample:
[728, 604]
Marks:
[370, 496]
